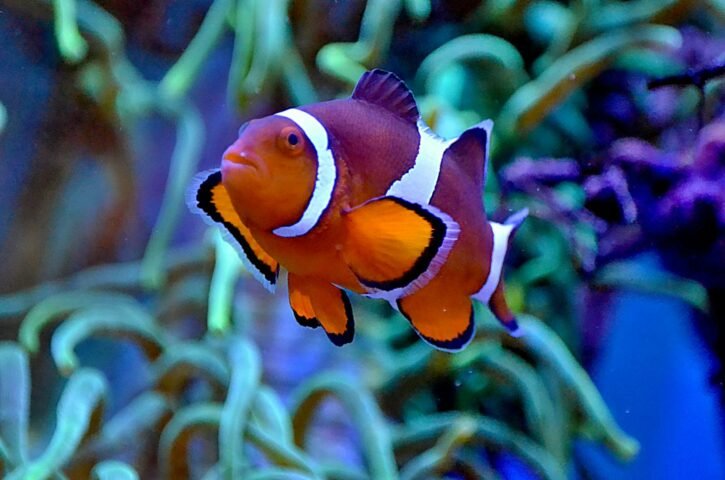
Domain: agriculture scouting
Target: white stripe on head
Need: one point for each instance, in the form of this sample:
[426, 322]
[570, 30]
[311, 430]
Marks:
[419, 183]
[326, 173]
[501, 235]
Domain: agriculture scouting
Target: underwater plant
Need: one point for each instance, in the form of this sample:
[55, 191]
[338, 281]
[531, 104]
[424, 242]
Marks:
[201, 377]
[657, 192]
[191, 388]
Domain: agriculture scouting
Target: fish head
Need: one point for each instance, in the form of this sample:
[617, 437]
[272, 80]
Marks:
[269, 172]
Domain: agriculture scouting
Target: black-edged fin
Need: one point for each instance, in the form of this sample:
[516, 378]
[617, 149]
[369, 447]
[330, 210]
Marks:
[300, 303]
[447, 323]
[348, 333]
[316, 303]
[394, 244]
[386, 90]
[498, 304]
[492, 291]
[470, 151]
[208, 198]
[502, 312]
[306, 321]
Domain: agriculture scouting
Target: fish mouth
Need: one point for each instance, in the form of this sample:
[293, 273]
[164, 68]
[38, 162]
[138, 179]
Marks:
[233, 161]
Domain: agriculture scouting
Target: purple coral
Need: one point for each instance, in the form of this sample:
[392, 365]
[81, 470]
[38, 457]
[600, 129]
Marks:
[680, 200]
[608, 196]
[710, 151]
[672, 200]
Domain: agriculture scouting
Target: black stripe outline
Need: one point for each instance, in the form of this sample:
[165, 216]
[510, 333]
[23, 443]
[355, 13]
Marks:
[305, 321]
[205, 203]
[340, 339]
[422, 263]
[453, 345]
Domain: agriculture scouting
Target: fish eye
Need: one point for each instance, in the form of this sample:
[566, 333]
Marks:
[290, 140]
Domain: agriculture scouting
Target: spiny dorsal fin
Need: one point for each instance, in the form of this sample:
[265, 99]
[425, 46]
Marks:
[470, 151]
[386, 90]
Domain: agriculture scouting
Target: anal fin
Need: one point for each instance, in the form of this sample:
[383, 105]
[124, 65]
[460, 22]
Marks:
[442, 318]
[318, 303]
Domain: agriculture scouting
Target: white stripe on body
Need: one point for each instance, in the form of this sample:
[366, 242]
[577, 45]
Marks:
[418, 184]
[326, 174]
[501, 235]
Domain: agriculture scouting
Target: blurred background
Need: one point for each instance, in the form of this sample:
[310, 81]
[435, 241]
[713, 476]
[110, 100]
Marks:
[133, 345]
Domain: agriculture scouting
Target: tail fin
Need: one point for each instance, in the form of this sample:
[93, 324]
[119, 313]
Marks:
[516, 219]
[470, 151]
[502, 312]
[492, 292]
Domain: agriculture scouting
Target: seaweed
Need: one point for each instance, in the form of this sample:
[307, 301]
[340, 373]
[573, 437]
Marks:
[243, 412]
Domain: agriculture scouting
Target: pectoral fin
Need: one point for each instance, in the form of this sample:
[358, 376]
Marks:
[318, 303]
[395, 244]
[208, 198]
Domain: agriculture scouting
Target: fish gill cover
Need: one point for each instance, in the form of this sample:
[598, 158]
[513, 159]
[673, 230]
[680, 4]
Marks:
[207, 377]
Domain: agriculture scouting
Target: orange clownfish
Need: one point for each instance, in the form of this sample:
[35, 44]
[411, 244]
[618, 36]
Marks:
[358, 194]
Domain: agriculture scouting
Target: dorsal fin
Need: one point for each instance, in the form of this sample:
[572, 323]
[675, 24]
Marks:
[386, 90]
[470, 151]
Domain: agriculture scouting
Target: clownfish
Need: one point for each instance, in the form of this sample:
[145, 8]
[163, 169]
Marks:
[358, 194]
